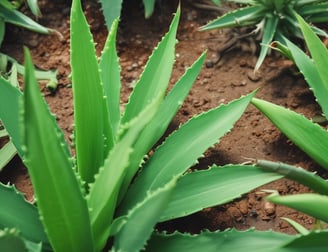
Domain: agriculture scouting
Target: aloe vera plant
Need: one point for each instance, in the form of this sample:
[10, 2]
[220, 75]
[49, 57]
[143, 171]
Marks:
[272, 19]
[84, 200]
[307, 135]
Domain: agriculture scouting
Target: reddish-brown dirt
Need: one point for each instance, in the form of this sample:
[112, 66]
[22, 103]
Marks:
[252, 137]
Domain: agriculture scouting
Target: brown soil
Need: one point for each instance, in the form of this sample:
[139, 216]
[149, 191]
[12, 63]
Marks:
[252, 137]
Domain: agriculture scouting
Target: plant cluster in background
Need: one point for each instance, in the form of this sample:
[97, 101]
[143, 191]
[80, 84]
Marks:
[272, 19]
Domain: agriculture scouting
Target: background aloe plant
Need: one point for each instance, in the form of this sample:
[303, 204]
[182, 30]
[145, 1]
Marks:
[83, 200]
[272, 19]
[306, 134]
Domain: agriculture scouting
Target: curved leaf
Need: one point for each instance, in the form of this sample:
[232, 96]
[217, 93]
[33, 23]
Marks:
[308, 136]
[182, 149]
[215, 186]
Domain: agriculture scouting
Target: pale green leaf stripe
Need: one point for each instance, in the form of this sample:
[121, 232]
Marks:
[111, 10]
[17, 18]
[308, 136]
[311, 75]
[319, 54]
[248, 15]
[9, 111]
[156, 75]
[34, 7]
[134, 233]
[314, 242]
[308, 203]
[20, 214]
[270, 27]
[230, 240]
[7, 153]
[216, 186]
[298, 227]
[62, 208]
[163, 117]
[182, 149]
[88, 97]
[103, 193]
[110, 77]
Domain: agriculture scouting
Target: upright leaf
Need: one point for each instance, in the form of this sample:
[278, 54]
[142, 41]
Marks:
[89, 104]
[156, 75]
[149, 7]
[182, 149]
[160, 122]
[62, 206]
[102, 199]
[110, 77]
[134, 233]
[111, 10]
[9, 112]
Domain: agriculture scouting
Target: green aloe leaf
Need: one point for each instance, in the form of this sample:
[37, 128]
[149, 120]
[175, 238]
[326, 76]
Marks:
[20, 214]
[164, 116]
[62, 206]
[311, 74]
[102, 199]
[156, 75]
[314, 241]
[89, 105]
[110, 77]
[134, 233]
[7, 153]
[11, 241]
[34, 7]
[308, 136]
[111, 10]
[297, 174]
[270, 27]
[245, 16]
[17, 18]
[309, 203]
[298, 227]
[182, 149]
[9, 111]
[149, 7]
[230, 240]
[215, 186]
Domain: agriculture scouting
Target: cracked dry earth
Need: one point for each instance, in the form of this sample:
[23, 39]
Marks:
[252, 137]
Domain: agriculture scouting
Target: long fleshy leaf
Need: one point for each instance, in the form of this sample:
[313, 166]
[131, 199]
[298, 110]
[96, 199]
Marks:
[17, 18]
[9, 111]
[218, 185]
[111, 11]
[309, 203]
[314, 241]
[248, 15]
[89, 105]
[230, 240]
[297, 174]
[182, 149]
[149, 7]
[134, 233]
[20, 214]
[103, 193]
[61, 204]
[308, 136]
[160, 122]
[311, 75]
[156, 75]
[110, 77]
[270, 27]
